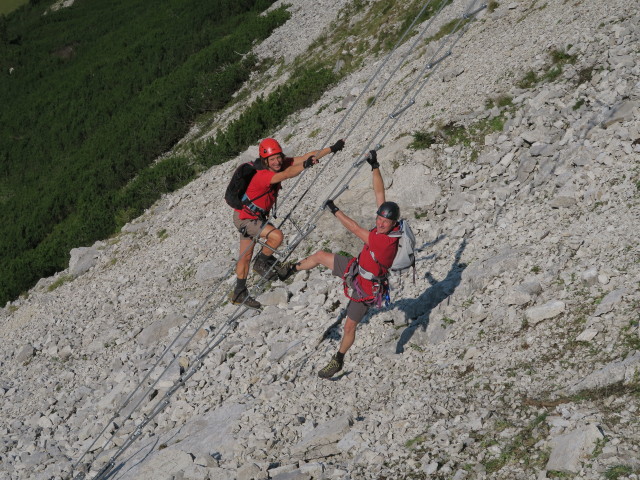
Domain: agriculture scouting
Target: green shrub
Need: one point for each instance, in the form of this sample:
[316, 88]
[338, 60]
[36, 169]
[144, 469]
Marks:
[265, 115]
[617, 471]
[529, 80]
[422, 140]
[59, 282]
[98, 93]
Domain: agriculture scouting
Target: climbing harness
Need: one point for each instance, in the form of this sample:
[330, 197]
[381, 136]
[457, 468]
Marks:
[253, 209]
[351, 280]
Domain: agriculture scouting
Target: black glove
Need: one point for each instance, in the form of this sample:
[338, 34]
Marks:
[310, 162]
[336, 147]
[331, 206]
[372, 160]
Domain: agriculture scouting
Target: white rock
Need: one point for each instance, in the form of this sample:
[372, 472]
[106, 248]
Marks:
[549, 310]
[587, 335]
[82, 259]
[568, 451]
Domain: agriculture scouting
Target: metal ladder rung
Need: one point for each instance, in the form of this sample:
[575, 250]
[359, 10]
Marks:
[436, 62]
[296, 241]
[264, 244]
[477, 10]
[357, 163]
[394, 115]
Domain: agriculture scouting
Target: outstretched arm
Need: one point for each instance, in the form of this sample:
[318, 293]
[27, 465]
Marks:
[351, 225]
[348, 223]
[293, 170]
[378, 182]
[336, 147]
[318, 154]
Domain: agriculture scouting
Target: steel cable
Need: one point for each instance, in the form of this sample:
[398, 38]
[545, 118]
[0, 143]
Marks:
[341, 186]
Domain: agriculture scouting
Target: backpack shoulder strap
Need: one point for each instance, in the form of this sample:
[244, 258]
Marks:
[397, 233]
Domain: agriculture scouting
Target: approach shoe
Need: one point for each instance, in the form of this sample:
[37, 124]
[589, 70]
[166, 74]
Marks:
[243, 298]
[263, 268]
[333, 367]
[272, 260]
[285, 270]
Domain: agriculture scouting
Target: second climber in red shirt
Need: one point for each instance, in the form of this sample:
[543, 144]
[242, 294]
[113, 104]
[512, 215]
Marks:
[366, 273]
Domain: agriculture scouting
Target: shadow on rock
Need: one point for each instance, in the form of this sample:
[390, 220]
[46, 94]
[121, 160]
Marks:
[420, 309]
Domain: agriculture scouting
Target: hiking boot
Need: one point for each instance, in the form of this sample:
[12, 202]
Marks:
[243, 298]
[333, 367]
[286, 270]
[262, 268]
[272, 260]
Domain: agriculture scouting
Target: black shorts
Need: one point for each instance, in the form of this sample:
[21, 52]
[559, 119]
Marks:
[355, 310]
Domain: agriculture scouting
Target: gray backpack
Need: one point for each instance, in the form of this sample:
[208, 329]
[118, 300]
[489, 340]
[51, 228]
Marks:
[406, 256]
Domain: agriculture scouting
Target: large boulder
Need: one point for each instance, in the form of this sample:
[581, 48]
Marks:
[413, 188]
[82, 259]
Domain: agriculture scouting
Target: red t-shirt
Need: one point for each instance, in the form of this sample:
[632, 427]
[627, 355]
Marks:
[384, 248]
[259, 186]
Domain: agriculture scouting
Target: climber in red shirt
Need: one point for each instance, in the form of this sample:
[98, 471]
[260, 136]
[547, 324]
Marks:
[260, 198]
[367, 272]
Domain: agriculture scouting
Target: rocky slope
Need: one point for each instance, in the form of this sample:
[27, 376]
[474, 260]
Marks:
[516, 353]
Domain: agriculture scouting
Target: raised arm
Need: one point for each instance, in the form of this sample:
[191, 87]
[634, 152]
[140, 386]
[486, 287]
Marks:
[294, 170]
[378, 182]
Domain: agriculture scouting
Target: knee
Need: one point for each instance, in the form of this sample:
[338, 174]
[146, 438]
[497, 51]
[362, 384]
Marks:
[322, 257]
[350, 327]
[275, 236]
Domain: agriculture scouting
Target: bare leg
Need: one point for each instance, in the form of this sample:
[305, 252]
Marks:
[319, 258]
[246, 251]
[337, 361]
[348, 336]
[274, 239]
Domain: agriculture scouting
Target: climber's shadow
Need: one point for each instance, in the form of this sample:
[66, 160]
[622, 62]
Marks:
[333, 331]
[124, 467]
[340, 377]
[419, 309]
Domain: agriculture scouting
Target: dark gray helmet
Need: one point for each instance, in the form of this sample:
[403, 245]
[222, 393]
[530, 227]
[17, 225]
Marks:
[389, 210]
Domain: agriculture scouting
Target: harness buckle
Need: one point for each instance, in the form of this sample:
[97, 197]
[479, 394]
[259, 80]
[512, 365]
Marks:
[253, 209]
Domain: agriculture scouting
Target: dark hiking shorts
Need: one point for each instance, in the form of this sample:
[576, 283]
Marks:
[355, 310]
[248, 228]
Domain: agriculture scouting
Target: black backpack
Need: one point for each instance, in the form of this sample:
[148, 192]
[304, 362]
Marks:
[239, 183]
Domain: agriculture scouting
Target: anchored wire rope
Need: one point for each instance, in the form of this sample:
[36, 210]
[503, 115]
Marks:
[343, 184]
[164, 402]
[364, 90]
[226, 327]
[167, 349]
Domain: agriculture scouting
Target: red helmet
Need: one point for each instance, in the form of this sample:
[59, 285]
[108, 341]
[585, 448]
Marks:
[268, 147]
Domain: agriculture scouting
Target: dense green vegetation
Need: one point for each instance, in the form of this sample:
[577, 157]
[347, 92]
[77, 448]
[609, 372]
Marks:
[7, 6]
[98, 91]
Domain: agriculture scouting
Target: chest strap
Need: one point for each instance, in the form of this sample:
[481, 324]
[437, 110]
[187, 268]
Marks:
[368, 275]
[252, 207]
